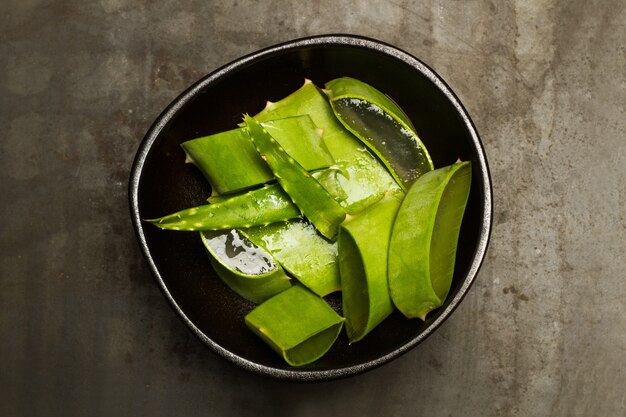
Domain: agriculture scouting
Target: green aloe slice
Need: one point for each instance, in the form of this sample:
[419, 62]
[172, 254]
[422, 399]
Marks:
[302, 140]
[329, 179]
[268, 204]
[302, 252]
[246, 268]
[306, 193]
[423, 243]
[382, 126]
[297, 324]
[230, 162]
[363, 243]
[361, 177]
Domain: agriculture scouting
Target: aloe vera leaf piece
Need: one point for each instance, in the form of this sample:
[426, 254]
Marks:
[329, 179]
[382, 126]
[302, 140]
[246, 268]
[423, 243]
[227, 160]
[230, 163]
[302, 252]
[299, 325]
[262, 206]
[363, 242]
[306, 193]
[363, 179]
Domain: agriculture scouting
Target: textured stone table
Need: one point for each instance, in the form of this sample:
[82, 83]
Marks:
[84, 329]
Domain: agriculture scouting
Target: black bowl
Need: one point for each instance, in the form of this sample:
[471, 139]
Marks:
[161, 183]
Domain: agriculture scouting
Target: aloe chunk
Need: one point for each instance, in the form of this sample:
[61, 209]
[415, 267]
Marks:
[306, 193]
[297, 324]
[361, 177]
[268, 204]
[381, 125]
[422, 249]
[363, 243]
[246, 268]
[230, 162]
[302, 252]
[302, 140]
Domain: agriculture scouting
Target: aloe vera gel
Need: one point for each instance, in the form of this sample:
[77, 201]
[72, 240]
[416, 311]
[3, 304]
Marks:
[329, 190]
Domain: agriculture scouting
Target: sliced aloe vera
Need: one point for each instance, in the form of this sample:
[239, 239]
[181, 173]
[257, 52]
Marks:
[361, 177]
[306, 193]
[302, 252]
[363, 243]
[230, 163]
[423, 243]
[382, 126]
[297, 324]
[268, 204]
[246, 268]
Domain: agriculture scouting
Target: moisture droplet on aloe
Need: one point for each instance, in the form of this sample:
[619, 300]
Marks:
[246, 268]
[382, 126]
[422, 249]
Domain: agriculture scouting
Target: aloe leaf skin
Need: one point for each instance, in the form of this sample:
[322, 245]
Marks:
[268, 204]
[302, 252]
[227, 160]
[302, 140]
[382, 126]
[363, 247]
[329, 179]
[306, 193]
[230, 163]
[246, 268]
[297, 324]
[363, 179]
[424, 239]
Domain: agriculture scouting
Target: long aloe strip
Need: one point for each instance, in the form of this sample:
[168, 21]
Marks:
[230, 163]
[382, 126]
[297, 324]
[246, 268]
[422, 249]
[363, 243]
[268, 204]
[361, 177]
[327, 177]
[302, 252]
[310, 197]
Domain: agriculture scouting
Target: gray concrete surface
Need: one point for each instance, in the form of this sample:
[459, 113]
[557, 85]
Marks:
[85, 331]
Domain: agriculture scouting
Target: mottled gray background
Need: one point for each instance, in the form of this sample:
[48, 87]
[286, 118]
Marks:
[84, 329]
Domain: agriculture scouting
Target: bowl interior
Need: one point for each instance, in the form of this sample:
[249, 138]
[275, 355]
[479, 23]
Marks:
[165, 184]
